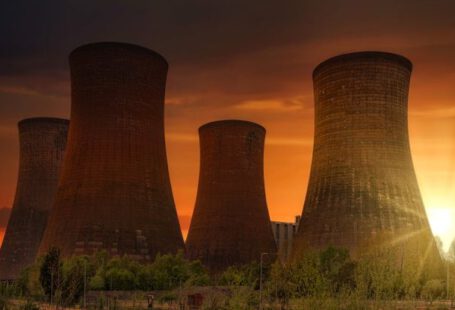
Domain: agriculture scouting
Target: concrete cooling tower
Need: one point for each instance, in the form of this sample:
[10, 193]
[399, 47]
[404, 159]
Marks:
[115, 193]
[362, 188]
[230, 224]
[42, 144]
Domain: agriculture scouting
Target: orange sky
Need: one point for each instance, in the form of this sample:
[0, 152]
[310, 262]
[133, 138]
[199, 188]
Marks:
[252, 64]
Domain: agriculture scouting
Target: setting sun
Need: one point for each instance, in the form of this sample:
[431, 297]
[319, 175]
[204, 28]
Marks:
[442, 225]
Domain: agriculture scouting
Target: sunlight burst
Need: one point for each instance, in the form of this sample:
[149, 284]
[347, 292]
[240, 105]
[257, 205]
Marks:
[442, 224]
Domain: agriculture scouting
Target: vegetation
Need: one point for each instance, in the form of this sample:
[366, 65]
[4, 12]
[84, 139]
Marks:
[326, 279]
[63, 281]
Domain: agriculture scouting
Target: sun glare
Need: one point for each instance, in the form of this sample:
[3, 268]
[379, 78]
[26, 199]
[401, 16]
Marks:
[442, 224]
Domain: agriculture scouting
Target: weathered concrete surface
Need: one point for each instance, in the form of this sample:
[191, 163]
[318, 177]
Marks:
[230, 224]
[42, 144]
[115, 193]
[362, 185]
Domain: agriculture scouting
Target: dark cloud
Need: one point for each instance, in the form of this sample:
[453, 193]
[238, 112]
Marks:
[39, 35]
[228, 59]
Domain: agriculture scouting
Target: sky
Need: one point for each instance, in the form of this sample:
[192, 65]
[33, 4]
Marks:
[239, 59]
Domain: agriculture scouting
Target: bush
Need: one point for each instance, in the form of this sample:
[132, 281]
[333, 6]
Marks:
[243, 298]
[121, 279]
[29, 282]
[433, 289]
[245, 275]
[76, 272]
[171, 271]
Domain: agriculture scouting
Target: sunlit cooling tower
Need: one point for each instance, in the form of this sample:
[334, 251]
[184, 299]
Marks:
[362, 188]
[115, 193]
[230, 224]
[42, 144]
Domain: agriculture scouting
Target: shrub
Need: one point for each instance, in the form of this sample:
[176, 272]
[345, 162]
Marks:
[433, 289]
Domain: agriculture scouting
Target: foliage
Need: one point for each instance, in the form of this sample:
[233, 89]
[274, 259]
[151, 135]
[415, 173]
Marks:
[243, 298]
[76, 271]
[280, 286]
[433, 289]
[315, 280]
[171, 271]
[324, 273]
[386, 274]
[51, 272]
[29, 281]
[8, 290]
[307, 276]
[245, 275]
[337, 269]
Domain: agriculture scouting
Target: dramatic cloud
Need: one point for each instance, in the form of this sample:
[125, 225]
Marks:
[235, 59]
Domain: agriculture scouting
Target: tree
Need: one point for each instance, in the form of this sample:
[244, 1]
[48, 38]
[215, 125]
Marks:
[29, 281]
[338, 268]
[306, 271]
[198, 275]
[244, 275]
[170, 271]
[120, 273]
[51, 272]
[280, 285]
[76, 270]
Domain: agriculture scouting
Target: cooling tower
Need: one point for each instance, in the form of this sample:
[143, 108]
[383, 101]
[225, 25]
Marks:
[362, 187]
[42, 144]
[115, 193]
[230, 224]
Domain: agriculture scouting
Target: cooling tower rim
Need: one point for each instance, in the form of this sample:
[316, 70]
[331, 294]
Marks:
[230, 123]
[43, 119]
[130, 46]
[364, 55]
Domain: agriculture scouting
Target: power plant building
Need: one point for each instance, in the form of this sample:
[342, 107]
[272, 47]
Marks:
[42, 144]
[284, 237]
[115, 193]
[362, 188]
[230, 224]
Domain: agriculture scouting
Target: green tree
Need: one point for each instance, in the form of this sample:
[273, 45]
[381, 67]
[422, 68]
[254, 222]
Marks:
[121, 279]
[280, 286]
[338, 269]
[198, 275]
[76, 272]
[29, 281]
[244, 275]
[120, 273]
[306, 271]
[171, 271]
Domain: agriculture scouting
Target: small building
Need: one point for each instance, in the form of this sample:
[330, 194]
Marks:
[283, 233]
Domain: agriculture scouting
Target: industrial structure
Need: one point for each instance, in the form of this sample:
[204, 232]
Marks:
[42, 144]
[363, 190]
[230, 224]
[284, 237]
[115, 192]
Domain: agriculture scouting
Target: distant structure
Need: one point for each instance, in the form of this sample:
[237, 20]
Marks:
[362, 188]
[115, 193]
[230, 224]
[42, 144]
[284, 237]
